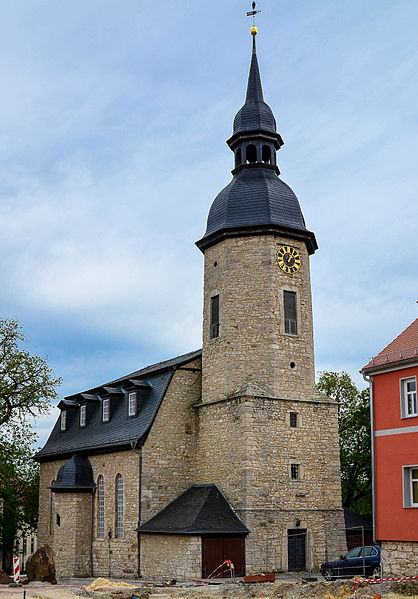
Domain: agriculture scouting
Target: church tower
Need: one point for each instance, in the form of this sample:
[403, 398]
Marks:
[266, 437]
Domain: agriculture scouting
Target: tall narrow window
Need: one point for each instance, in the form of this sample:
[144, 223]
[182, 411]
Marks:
[251, 153]
[100, 507]
[290, 313]
[294, 471]
[293, 419]
[119, 506]
[63, 420]
[238, 158]
[52, 520]
[83, 415]
[266, 154]
[214, 316]
[408, 397]
[106, 410]
[132, 403]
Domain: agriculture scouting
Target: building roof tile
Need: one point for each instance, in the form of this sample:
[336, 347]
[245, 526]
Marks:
[401, 349]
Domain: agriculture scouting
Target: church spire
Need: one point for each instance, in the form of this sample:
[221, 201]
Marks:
[256, 201]
[255, 114]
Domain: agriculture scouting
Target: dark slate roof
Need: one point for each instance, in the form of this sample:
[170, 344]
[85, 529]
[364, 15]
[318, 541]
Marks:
[202, 509]
[121, 430]
[74, 475]
[355, 520]
[255, 113]
[256, 197]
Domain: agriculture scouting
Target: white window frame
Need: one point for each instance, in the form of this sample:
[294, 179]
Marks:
[106, 410]
[63, 420]
[408, 485]
[132, 403]
[119, 507]
[83, 413]
[100, 508]
[405, 397]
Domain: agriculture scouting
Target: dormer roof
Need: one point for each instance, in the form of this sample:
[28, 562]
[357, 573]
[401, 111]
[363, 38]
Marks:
[121, 431]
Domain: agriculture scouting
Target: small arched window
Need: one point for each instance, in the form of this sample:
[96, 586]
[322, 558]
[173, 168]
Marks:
[119, 506]
[266, 154]
[52, 519]
[251, 153]
[100, 507]
[238, 157]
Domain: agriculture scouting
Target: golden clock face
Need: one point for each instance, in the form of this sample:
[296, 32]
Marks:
[288, 259]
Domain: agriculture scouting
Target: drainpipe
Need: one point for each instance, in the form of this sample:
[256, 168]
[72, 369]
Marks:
[139, 454]
[369, 379]
[91, 533]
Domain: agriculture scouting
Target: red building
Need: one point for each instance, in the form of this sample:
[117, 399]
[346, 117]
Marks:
[393, 377]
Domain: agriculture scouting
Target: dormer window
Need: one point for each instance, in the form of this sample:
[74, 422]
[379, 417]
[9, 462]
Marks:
[106, 410]
[132, 403]
[63, 420]
[83, 415]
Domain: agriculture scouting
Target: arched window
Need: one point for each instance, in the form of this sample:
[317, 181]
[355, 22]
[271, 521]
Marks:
[238, 157]
[52, 520]
[251, 153]
[266, 154]
[119, 506]
[100, 507]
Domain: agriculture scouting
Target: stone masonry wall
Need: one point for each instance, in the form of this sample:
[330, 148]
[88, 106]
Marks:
[399, 558]
[246, 446]
[72, 534]
[168, 452]
[252, 345]
[169, 556]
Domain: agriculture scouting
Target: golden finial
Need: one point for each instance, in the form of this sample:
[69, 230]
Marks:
[252, 14]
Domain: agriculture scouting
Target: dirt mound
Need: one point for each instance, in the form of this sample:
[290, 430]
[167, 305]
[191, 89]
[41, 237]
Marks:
[101, 584]
[5, 578]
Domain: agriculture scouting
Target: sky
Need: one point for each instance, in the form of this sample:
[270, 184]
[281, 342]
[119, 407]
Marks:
[114, 116]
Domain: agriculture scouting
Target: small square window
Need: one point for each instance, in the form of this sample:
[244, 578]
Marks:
[83, 415]
[294, 471]
[132, 403]
[293, 419]
[408, 397]
[63, 420]
[106, 410]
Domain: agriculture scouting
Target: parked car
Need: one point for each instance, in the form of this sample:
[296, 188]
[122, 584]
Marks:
[363, 561]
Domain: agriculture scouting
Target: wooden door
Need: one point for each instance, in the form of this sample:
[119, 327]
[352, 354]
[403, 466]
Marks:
[215, 550]
[296, 549]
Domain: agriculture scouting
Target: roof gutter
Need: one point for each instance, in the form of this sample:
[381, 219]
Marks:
[369, 379]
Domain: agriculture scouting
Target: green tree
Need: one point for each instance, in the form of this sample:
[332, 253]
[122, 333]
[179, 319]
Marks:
[355, 439]
[27, 386]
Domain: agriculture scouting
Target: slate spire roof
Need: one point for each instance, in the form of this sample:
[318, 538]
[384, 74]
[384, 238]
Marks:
[255, 113]
[256, 201]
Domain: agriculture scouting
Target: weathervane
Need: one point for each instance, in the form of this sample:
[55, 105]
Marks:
[252, 13]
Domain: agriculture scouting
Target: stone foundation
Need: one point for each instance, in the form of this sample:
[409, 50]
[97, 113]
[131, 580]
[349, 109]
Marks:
[399, 558]
[171, 556]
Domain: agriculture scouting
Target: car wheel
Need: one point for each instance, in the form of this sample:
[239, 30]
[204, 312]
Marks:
[328, 574]
[376, 573]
